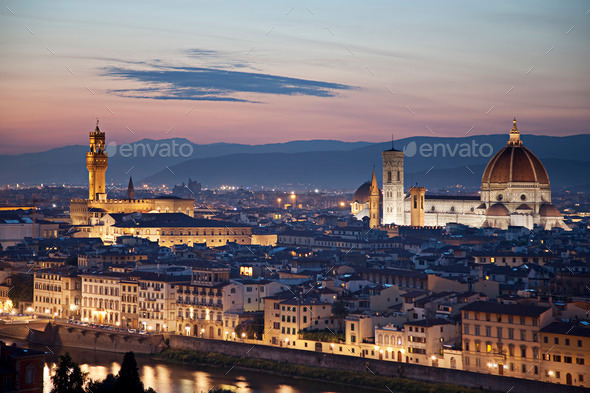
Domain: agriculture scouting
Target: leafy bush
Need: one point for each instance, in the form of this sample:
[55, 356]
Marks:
[321, 335]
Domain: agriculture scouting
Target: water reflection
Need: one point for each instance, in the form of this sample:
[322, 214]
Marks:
[177, 378]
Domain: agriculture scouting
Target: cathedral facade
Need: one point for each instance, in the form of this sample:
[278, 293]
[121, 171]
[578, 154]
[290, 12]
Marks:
[91, 210]
[515, 191]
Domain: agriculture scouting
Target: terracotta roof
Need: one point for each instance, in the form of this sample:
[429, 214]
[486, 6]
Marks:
[515, 163]
[510, 309]
[497, 209]
[548, 210]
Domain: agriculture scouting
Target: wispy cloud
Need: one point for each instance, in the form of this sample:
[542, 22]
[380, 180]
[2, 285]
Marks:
[163, 82]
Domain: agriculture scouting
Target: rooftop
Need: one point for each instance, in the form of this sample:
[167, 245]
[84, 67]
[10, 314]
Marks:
[510, 309]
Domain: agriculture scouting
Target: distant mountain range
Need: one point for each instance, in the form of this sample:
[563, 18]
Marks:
[326, 164]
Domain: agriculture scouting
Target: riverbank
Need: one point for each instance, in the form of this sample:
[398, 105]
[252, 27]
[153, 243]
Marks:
[362, 380]
[174, 377]
[69, 335]
[407, 377]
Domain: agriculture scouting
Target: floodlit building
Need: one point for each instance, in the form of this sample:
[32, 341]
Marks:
[503, 339]
[86, 211]
[515, 191]
[566, 353]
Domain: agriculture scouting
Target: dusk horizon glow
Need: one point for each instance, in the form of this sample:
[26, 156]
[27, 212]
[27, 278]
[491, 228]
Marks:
[290, 72]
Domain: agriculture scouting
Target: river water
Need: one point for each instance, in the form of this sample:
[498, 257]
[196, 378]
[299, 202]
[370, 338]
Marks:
[167, 377]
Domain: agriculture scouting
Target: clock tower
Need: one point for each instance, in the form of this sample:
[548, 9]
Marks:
[97, 162]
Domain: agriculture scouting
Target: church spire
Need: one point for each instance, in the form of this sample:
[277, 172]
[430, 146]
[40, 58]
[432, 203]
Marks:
[374, 203]
[130, 190]
[514, 135]
[374, 185]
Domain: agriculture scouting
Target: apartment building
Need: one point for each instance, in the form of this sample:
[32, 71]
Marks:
[390, 342]
[101, 298]
[200, 310]
[129, 304]
[94, 260]
[157, 297]
[57, 293]
[425, 340]
[248, 295]
[565, 349]
[503, 339]
[285, 318]
[200, 302]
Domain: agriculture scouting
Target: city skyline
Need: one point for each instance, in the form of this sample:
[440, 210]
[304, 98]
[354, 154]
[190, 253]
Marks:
[290, 72]
[297, 197]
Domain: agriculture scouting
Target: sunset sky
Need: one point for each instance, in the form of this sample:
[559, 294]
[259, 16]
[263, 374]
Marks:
[273, 71]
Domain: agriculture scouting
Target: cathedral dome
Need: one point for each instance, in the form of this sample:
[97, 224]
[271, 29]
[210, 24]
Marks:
[362, 193]
[497, 209]
[548, 210]
[515, 163]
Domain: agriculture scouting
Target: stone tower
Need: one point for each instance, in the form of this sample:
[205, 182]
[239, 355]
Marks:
[130, 189]
[417, 208]
[374, 197]
[393, 186]
[97, 162]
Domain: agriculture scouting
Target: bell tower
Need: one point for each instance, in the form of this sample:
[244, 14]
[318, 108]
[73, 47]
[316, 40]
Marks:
[96, 162]
[374, 199]
[393, 186]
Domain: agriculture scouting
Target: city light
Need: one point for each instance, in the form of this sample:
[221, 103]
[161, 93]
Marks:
[482, 265]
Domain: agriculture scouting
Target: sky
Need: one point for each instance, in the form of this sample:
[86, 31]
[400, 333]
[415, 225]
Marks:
[271, 71]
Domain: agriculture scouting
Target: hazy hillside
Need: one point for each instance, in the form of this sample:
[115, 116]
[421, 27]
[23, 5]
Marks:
[431, 161]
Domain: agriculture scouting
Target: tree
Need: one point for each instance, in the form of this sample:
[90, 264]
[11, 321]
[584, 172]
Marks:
[22, 288]
[107, 385]
[339, 309]
[128, 379]
[68, 378]
[252, 327]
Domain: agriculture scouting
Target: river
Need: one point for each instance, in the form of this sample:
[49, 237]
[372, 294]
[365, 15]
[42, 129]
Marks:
[167, 377]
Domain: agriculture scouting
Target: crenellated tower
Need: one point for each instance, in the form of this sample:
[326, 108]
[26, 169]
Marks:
[97, 162]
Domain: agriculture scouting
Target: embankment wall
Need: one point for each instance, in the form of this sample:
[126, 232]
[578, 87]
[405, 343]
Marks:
[363, 365]
[80, 337]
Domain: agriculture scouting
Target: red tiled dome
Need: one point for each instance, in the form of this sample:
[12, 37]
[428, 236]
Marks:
[497, 209]
[548, 210]
[515, 163]
[362, 193]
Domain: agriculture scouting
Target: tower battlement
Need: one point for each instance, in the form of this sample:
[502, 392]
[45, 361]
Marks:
[97, 164]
